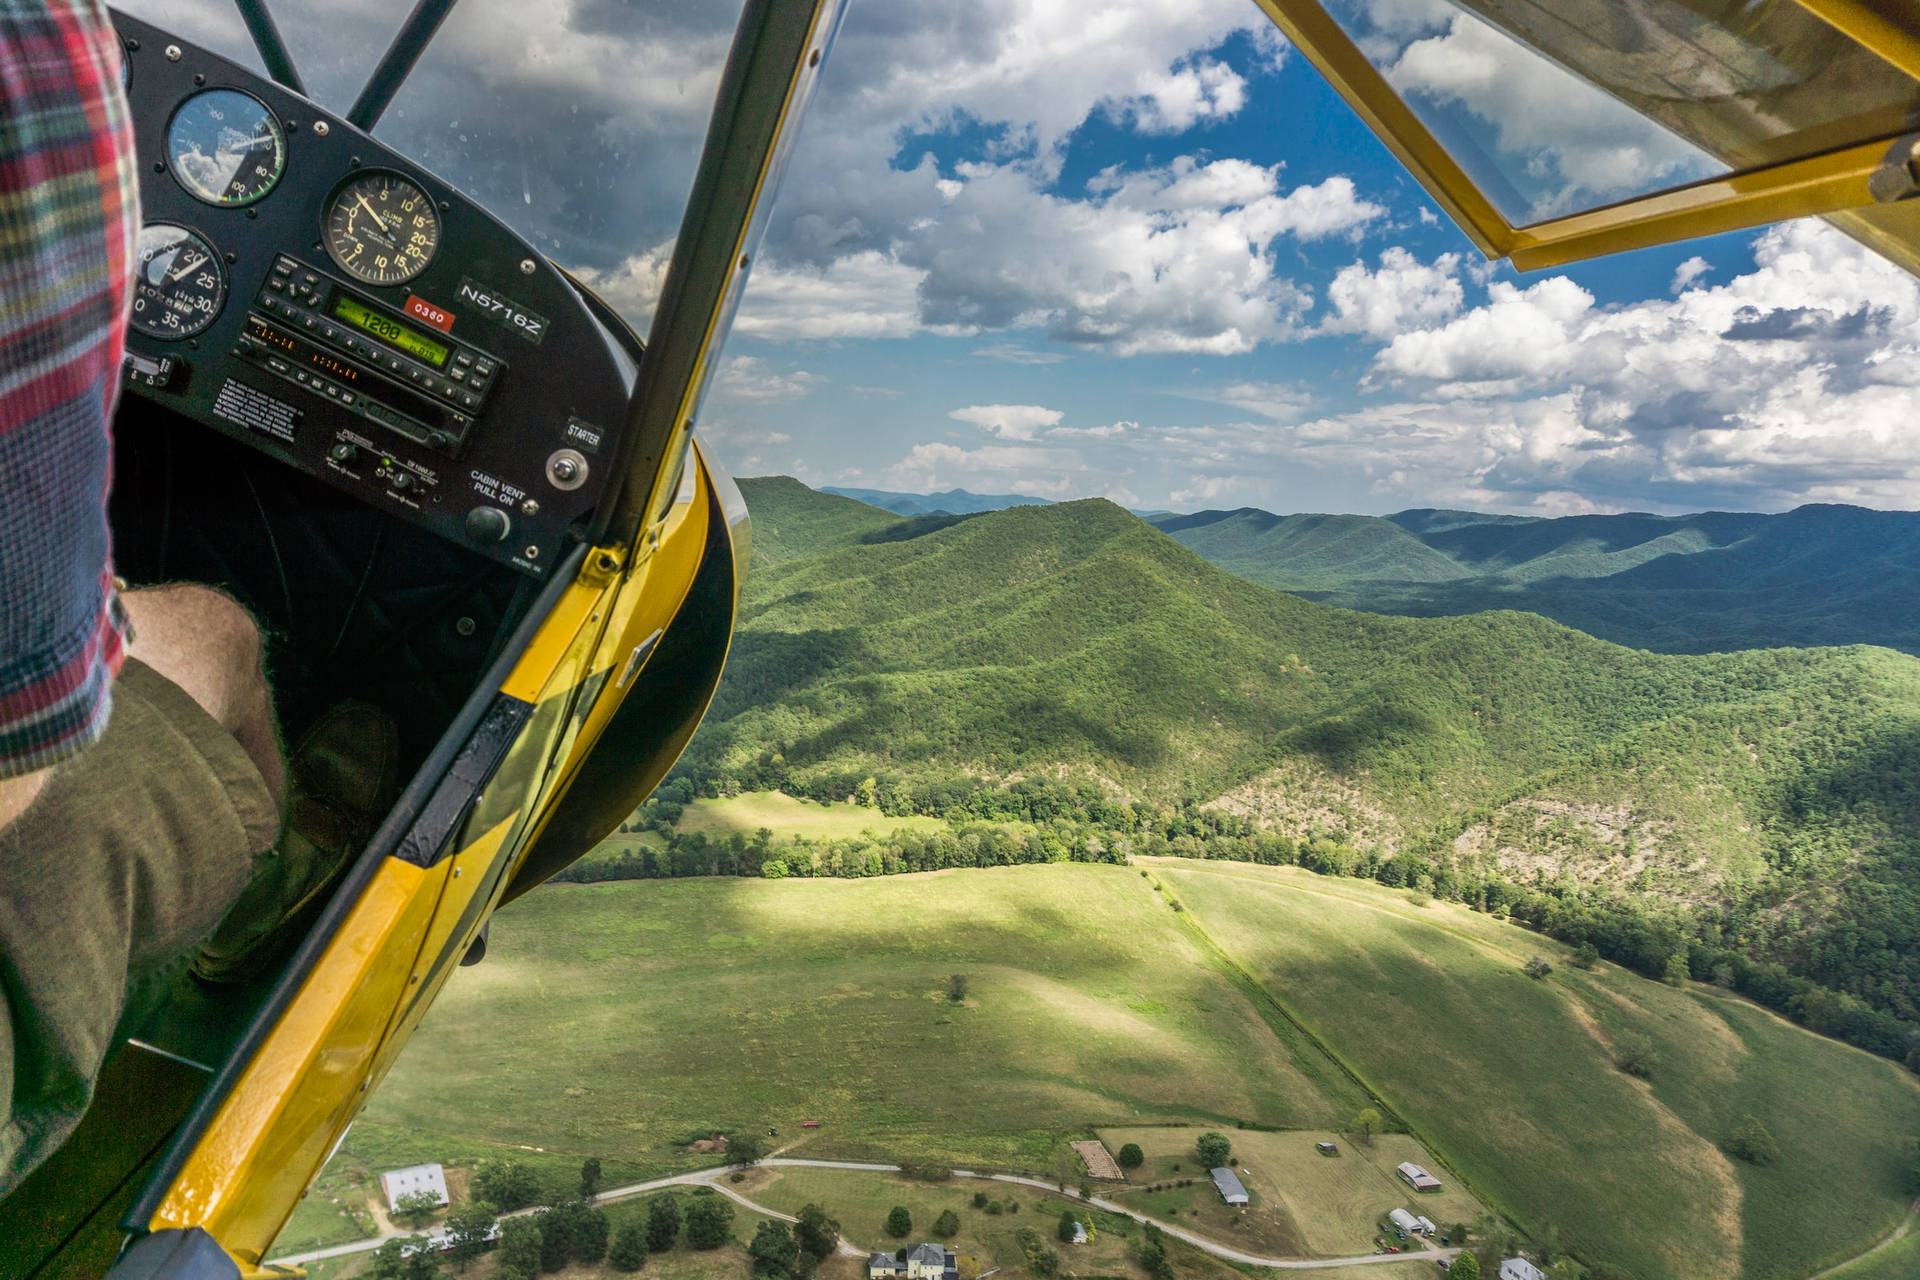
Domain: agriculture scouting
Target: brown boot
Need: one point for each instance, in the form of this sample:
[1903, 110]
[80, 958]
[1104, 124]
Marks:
[341, 782]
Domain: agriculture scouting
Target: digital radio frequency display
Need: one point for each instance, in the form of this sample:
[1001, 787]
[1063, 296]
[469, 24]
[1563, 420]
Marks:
[397, 335]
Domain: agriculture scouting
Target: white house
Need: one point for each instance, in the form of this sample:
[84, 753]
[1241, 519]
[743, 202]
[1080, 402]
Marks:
[922, 1262]
[412, 1180]
[1520, 1269]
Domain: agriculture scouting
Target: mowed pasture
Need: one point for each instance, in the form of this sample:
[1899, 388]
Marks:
[1512, 1078]
[1334, 1203]
[791, 818]
[618, 1019]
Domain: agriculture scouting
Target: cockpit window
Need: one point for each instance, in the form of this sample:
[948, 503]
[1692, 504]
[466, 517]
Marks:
[1622, 98]
[579, 125]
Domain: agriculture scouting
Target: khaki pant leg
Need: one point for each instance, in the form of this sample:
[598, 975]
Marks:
[109, 883]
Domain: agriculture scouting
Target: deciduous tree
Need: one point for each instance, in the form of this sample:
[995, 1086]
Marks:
[947, 1225]
[663, 1222]
[1465, 1267]
[817, 1233]
[1131, 1157]
[629, 1251]
[468, 1226]
[1214, 1149]
[709, 1220]
[519, 1249]
[899, 1222]
[773, 1250]
[505, 1184]
[1365, 1123]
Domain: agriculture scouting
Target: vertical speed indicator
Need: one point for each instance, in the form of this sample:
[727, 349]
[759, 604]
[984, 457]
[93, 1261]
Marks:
[382, 229]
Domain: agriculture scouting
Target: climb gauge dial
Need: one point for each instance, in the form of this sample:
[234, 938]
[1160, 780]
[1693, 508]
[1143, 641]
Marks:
[382, 229]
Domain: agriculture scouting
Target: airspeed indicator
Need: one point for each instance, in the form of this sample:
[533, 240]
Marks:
[382, 229]
[179, 284]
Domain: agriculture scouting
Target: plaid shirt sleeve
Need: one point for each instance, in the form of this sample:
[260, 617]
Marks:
[69, 208]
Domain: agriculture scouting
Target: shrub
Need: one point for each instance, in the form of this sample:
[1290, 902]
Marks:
[1634, 1055]
[979, 1199]
[947, 1225]
[1538, 967]
[899, 1222]
[1751, 1142]
[995, 1208]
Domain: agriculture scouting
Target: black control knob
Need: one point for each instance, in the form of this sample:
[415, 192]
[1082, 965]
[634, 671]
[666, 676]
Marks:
[488, 524]
[344, 452]
[402, 481]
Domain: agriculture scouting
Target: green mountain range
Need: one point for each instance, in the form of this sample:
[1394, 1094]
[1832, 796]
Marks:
[1677, 584]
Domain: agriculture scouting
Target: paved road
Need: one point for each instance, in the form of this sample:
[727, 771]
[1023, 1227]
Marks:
[708, 1177]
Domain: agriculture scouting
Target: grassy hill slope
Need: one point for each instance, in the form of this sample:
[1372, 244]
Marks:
[664, 1008]
[1514, 1078]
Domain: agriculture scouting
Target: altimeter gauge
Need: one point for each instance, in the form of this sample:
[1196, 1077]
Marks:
[226, 148]
[382, 229]
[179, 283]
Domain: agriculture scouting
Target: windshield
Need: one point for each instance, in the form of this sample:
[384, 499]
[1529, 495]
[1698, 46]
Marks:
[578, 126]
[1622, 100]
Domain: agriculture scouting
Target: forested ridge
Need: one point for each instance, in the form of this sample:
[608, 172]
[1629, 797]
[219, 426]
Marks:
[1069, 682]
[1702, 583]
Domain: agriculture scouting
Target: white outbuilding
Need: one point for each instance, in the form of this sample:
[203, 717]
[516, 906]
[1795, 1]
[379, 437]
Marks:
[1405, 1221]
[1229, 1186]
[1520, 1269]
[412, 1180]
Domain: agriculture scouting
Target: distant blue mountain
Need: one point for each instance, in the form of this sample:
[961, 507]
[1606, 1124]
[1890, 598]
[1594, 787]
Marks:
[954, 502]
[1682, 584]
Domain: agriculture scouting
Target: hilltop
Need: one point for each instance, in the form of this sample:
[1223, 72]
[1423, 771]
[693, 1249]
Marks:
[1700, 583]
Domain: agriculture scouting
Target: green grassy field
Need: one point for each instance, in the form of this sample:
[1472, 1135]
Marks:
[1512, 1079]
[617, 1019]
[789, 818]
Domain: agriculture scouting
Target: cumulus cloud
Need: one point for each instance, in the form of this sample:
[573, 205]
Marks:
[1687, 272]
[1403, 293]
[1175, 101]
[1176, 258]
[1008, 421]
[1794, 381]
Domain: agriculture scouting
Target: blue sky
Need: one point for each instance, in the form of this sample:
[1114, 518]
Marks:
[1142, 251]
[879, 358]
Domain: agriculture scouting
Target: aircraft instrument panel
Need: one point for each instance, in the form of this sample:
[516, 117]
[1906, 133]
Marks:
[312, 293]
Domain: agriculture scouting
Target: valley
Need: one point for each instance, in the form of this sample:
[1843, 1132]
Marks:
[1028, 827]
